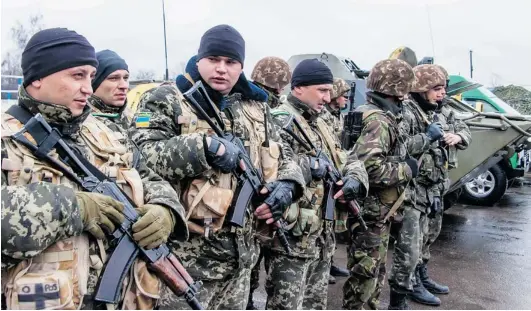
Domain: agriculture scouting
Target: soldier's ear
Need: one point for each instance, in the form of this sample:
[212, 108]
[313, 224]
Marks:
[37, 84]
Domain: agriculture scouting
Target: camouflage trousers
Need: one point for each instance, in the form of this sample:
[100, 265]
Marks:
[255, 272]
[407, 250]
[433, 229]
[366, 262]
[300, 283]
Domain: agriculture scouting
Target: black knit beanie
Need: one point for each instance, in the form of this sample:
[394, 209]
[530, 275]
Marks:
[55, 49]
[108, 62]
[311, 72]
[222, 40]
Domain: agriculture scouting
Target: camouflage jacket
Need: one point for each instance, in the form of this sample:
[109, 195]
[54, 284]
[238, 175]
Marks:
[451, 124]
[336, 119]
[39, 207]
[305, 216]
[180, 158]
[113, 117]
[382, 148]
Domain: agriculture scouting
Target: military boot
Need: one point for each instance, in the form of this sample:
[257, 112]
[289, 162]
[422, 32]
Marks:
[430, 284]
[338, 271]
[397, 301]
[250, 305]
[421, 295]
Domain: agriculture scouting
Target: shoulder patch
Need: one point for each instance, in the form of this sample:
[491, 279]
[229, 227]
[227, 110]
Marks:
[142, 119]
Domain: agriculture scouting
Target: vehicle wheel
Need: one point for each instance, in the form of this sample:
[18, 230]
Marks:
[487, 188]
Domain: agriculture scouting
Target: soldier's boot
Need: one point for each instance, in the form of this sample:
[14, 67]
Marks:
[421, 295]
[250, 305]
[397, 301]
[339, 271]
[430, 284]
[331, 279]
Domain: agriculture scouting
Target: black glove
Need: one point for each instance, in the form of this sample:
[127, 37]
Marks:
[435, 208]
[226, 162]
[434, 131]
[321, 170]
[352, 188]
[414, 166]
[280, 197]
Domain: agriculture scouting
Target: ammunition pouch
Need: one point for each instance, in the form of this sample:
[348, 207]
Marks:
[270, 161]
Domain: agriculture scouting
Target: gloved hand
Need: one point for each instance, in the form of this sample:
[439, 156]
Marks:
[322, 167]
[99, 211]
[436, 207]
[352, 188]
[279, 197]
[228, 160]
[434, 131]
[414, 166]
[154, 226]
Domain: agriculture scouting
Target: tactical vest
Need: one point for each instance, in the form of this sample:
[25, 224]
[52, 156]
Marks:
[58, 278]
[207, 198]
[305, 217]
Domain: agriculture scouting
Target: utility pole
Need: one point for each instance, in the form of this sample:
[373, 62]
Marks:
[165, 46]
[471, 67]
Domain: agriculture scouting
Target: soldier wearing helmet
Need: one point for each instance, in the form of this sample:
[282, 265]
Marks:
[271, 74]
[380, 146]
[338, 100]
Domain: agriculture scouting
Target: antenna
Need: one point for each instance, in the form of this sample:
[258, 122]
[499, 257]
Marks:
[165, 47]
[431, 31]
[471, 67]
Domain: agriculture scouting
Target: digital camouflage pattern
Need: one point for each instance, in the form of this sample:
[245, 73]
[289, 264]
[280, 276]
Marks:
[382, 149]
[273, 72]
[309, 264]
[224, 260]
[427, 77]
[339, 87]
[56, 205]
[112, 116]
[392, 77]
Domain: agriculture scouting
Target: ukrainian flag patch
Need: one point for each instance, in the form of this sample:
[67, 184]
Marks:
[142, 119]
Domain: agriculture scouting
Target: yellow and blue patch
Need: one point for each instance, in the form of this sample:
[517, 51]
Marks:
[142, 119]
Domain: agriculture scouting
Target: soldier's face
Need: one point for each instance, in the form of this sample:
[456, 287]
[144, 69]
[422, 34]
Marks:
[315, 96]
[435, 94]
[69, 88]
[113, 90]
[220, 72]
[342, 101]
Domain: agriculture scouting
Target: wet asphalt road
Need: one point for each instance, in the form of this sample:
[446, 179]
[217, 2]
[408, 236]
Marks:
[483, 254]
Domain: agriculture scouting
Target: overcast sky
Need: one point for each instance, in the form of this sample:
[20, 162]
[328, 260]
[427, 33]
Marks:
[499, 32]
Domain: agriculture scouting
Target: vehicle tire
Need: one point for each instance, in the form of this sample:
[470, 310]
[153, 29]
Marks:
[487, 188]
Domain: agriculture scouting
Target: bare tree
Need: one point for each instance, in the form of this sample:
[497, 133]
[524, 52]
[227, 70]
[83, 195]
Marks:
[144, 74]
[20, 35]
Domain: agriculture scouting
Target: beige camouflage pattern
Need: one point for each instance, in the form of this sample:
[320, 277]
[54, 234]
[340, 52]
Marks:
[33, 194]
[112, 116]
[273, 72]
[392, 77]
[339, 87]
[427, 77]
[443, 70]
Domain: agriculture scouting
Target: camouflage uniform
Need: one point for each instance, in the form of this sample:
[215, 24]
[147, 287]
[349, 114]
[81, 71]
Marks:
[113, 117]
[381, 147]
[172, 139]
[40, 213]
[300, 281]
[271, 74]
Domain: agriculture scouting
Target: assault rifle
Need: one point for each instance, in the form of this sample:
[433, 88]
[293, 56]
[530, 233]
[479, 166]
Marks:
[353, 123]
[333, 176]
[250, 180]
[160, 260]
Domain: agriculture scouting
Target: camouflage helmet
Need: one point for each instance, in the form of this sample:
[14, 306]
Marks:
[441, 68]
[272, 72]
[406, 54]
[393, 77]
[427, 77]
[339, 87]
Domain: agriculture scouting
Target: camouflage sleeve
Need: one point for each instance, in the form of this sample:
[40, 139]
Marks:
[154, 130]
[416, 143]
[372, 148]
[462, 130]
[160, 192]
[357, 170]
[35, 216]
[292, 166]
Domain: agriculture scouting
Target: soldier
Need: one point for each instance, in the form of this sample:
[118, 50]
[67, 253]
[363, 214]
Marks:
[179, 144]
[53, 241]
[110, 86]
[457, 136]
[381, 147]
[406, 54]
[271, 74]
[299, 280]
